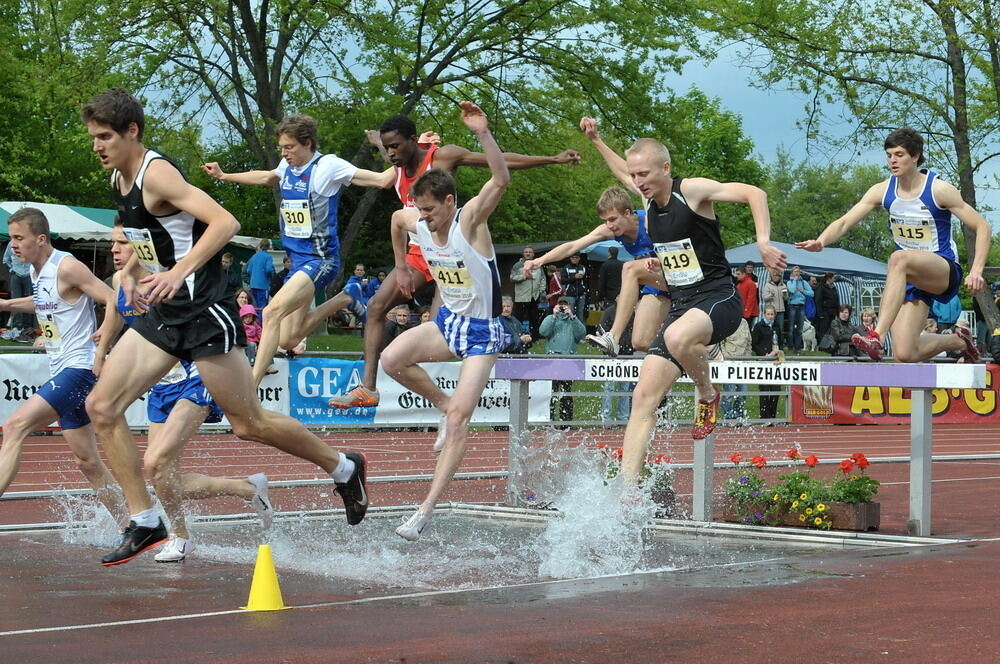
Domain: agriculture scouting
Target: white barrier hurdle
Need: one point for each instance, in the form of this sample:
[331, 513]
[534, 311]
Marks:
[919, 378]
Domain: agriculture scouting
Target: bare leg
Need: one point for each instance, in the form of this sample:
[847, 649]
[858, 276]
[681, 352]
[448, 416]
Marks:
[83, 443]
[472, 378]
[198, 486]
[656, 376]
[423, 343]
[387, 297]
[293, 298]
[923, 269]
[650, 313]
[132, 368]
[686, 339]
[228, 379]
[162, 459]
[909, 345]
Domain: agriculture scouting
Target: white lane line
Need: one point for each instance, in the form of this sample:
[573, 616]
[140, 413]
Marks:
[954, 479]
[369, 600]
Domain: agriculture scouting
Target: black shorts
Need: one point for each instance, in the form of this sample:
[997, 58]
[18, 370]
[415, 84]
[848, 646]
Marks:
[215, 331]
[719, 300]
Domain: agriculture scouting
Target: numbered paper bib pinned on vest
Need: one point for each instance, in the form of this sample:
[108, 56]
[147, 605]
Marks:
[452, 278]
[917, 233]
[679, 262]
[142, 243]
[50, 333]
[298, 218]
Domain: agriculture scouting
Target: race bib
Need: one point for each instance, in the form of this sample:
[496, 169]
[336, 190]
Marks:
[679, 262]
[452, 278]
[298, 219]
[142, 243]
[50, 333]
[914, 233]
[175, 375]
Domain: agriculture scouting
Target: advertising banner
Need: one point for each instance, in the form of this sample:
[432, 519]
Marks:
[814, 404]
[22, 374]
[314, 380]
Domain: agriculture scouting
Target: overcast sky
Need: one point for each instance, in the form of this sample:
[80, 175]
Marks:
[769, 118]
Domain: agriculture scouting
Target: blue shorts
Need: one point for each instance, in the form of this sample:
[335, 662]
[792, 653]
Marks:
[653, 290]
[67, 393]
[321, 271]
[467, 336]
[954, 281]
[163, 398]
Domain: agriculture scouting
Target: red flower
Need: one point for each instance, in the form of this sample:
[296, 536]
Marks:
[862, 461]
[811, 460]
[794, 454]
[846, 466]
[617, 454]
[758, 461]
[736, 458]
[601, 446]
[661, 458]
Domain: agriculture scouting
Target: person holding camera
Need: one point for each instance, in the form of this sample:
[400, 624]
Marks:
[562, 331]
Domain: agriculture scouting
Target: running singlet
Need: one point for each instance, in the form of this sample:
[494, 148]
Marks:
[161, 241]
[469, 283]
[404, 182]
[310, 196]
[182, 370]
[642, 247]
[918, 223]
[688, 245]
[66, 328]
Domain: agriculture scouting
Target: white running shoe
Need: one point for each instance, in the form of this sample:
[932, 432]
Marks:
[442, 434]
[605, 342]
[414, 526]
[175, 550]
[261, 503]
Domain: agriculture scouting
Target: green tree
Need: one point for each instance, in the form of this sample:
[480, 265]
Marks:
[806, 197]
[932, 64]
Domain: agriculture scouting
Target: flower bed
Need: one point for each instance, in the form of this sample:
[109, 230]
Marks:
[800, 499]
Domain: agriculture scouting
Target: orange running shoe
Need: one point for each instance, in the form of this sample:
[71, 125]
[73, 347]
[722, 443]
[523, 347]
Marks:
[359, 397]
[971, 352]
[705, 417]
[871, 345]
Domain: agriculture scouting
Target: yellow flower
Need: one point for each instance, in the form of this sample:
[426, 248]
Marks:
[803, 496]
[775, 496]
[817, 521]
[795, 504]
[809, 510]
[802, 517]
[820, 507]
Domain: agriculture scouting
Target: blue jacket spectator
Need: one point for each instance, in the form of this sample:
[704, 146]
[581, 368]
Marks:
[563, 330]
[357, 284]
[374, 285]
[260, 268]
[946, 313]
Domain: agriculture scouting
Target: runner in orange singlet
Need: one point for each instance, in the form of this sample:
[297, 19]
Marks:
[398, 141]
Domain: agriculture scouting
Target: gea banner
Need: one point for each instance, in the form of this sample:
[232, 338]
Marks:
[314, 380]
[22, 374]
[815, 404]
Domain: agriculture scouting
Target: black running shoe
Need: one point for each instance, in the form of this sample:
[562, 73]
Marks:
[135, 540]
[353, 490]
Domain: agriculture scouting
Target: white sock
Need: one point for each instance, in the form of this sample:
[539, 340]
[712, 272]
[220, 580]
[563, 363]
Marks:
[344, 470]
[146, 518]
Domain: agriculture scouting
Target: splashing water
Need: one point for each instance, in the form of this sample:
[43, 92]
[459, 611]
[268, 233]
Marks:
[88, 522]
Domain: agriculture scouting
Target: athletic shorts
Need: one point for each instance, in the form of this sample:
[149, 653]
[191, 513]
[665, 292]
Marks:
[653, 290]
[415, 259]
[215, 331]
[321, 271]
[954, 281]
[718, 299]
[163, 398]
[67, 393]
[467, 336]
